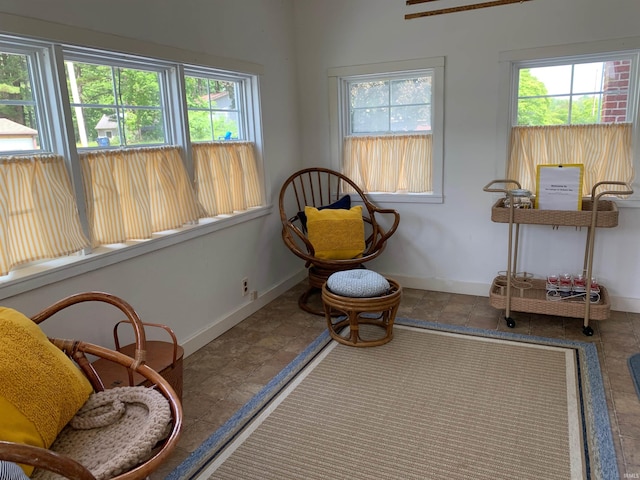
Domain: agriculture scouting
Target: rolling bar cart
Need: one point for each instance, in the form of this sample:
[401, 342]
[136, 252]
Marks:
[520, 291]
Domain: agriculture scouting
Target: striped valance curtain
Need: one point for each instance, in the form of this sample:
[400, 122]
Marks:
[135, 192]
[227, 177]
[604, 149]
[38, 213]
[389, 163]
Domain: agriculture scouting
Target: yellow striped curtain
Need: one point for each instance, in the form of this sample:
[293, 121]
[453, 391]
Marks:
[135, 192]
[389, 163]
[227, 177]
[604, 149]
[38, 214]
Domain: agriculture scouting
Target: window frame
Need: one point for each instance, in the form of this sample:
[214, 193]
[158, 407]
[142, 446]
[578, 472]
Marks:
[632, 94]
[114, 59]
[34, 52]
[339, 112]
[50, 45]
[389, 78]
[509, 63]
[242, 96]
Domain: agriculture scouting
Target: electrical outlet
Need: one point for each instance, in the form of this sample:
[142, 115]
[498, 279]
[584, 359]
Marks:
[245, 286]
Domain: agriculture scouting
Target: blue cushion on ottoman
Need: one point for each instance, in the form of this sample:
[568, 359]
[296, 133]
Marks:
[358, 283]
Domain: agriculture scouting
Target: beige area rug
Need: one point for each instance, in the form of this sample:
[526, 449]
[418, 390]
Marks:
[431, 404]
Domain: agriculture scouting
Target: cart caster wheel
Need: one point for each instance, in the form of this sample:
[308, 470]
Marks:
[588, 331]
[511, 323]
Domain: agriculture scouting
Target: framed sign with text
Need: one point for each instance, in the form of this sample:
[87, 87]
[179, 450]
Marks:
[559, 187]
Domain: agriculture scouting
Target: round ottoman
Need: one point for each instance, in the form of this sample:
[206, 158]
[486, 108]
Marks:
[360, 297]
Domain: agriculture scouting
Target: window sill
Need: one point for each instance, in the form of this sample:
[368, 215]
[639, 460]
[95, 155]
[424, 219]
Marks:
[44, 273]
[405, 198]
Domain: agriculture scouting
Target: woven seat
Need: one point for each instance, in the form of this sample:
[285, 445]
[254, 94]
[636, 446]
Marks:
[377, 312]
[79, 351]
[324, 188]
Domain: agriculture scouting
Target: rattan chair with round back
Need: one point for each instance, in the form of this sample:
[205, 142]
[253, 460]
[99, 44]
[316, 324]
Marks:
[320, 187]
[81, 352]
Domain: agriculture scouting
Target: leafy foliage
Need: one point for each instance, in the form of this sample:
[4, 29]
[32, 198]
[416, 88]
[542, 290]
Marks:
[394, 105]
[536, 107]
[15, 85]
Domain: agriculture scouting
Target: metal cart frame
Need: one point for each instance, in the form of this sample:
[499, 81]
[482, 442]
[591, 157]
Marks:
[596, 213]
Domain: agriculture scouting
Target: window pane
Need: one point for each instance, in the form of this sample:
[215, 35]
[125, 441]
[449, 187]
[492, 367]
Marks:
[93, 125]
[368, 120]
[223, 95]
[89, 84]
[225, 125]
[411, 119]
[197, 90]
[101, 94]
[213, 104]
[558, 113]
[587, 77]
[598, 93]
[200, 126]
[17, 130]
[369, 94]
[143, 126]
[15, 83]
[411, 91]
[137, 87]
[533, 111]
[556, 79]
[586, 109]
[18, 109]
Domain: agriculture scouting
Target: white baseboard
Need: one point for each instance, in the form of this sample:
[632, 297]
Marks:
[221, 325]
[620, 304]
[443, 285]
[218, 327]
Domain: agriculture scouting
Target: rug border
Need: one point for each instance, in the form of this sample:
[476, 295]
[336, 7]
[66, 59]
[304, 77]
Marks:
[634, 362]
[602, 461]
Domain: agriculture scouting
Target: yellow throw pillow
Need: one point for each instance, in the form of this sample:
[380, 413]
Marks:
[336, 234]
[41, 389]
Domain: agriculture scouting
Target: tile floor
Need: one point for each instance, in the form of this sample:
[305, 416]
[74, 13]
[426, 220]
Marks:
[221, 377]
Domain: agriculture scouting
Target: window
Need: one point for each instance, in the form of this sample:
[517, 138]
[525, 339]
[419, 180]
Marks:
[115, 105]
[575, 93]
[387, 128]
[390, 105]
[574, 109]
[105, 138]
[214, 109]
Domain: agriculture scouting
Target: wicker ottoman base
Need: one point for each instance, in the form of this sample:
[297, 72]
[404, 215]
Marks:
[377, 311]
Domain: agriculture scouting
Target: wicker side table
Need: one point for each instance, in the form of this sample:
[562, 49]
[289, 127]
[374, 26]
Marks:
[353, 308]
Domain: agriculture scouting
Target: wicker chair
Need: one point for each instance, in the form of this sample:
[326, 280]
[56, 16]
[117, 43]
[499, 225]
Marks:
[78, 351]
[318, 187]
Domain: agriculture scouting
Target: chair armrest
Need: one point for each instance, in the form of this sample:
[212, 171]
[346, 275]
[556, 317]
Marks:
[117, 302]
[44, 459]
[288, 232]
[396, 221]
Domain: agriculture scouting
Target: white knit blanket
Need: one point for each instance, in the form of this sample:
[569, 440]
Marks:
[114, 431]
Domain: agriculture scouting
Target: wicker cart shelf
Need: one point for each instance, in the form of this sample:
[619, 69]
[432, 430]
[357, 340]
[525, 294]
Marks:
[534, 300]
[529, 295]
[606, 215]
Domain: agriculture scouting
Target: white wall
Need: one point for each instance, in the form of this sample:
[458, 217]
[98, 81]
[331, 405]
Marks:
[195, 285]
[455, 246]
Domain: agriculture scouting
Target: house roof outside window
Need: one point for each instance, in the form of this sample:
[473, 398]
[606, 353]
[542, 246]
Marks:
[11, 128]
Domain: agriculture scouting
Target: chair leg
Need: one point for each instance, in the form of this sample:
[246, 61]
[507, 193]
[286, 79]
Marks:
[303, 301]
[304, 304]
